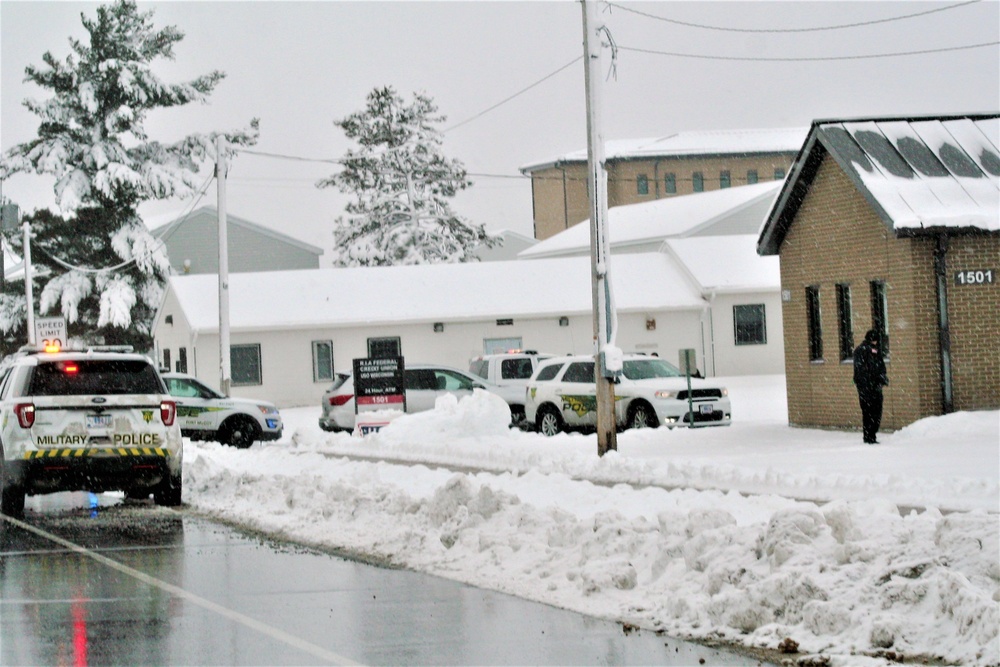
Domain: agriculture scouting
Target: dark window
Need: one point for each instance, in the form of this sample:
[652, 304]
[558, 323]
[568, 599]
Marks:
[515, 369]
[505, 322]
[698, 181]
[322, 360]
[182, 360]
[420, 379]
[749, 324]
[642, 184]
[548, 372]
[245, 364]
[670, 184]
[94, 376]
[815, 325]
[751, 176]
[779, 173]
[844, 321]
[580, 371]
[880, 317]
[725, 180]
[383, 348]
[166, 359]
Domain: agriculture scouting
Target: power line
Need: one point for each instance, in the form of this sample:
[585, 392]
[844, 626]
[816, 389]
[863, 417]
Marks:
[808, 58]
[790, 30]
[508, 99]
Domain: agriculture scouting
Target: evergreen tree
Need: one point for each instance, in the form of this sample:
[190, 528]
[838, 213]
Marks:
[102, 269]
[401, 184]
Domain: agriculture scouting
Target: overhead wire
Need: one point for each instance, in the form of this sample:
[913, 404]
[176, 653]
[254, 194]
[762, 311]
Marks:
[841, 26]
[872, 56]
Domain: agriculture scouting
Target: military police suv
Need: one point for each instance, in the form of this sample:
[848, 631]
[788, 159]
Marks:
[86, 421]
[205, 414]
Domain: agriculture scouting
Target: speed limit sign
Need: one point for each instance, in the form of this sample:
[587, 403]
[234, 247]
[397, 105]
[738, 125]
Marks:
[50, 333]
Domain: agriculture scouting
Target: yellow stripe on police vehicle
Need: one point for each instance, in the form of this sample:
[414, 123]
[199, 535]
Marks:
[119, 451]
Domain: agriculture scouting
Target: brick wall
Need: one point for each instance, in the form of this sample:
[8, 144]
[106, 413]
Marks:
[560, 193]
[838, 238]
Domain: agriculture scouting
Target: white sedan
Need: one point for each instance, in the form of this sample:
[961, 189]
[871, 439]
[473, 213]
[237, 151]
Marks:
[562, 395]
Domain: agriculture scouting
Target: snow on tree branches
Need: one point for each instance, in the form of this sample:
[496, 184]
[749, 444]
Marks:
[401, 184]
[92, 139]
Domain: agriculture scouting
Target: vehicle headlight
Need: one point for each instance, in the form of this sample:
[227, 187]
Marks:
[268, 409]
[725, 392]
[666, 394]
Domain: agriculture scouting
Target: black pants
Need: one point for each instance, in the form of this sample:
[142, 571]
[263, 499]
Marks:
[870, 399]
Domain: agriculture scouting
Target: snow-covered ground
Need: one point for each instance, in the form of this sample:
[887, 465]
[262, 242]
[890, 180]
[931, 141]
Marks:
[751, 534]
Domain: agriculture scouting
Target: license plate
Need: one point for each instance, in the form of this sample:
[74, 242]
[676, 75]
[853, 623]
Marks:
[706, 409]
[98, 421]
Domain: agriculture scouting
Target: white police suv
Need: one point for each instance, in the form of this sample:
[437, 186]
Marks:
[86, 421]
[205, 414]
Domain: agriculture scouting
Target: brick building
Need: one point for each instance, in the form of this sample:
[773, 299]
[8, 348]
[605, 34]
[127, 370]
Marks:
[643, 170]
[891, 224]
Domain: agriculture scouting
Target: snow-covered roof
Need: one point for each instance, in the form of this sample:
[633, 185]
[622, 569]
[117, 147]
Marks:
[940, 172]
[706, 142]
[342, 297]
[169, 223]
[739, 210]
[726, 263]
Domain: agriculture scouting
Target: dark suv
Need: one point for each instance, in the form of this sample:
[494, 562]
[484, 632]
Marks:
[86, 421]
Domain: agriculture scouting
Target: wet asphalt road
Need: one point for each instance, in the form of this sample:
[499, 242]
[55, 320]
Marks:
[133, 584]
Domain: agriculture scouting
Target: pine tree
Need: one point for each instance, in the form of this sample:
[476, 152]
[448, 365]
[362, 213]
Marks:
[92, 139]
[401, 184]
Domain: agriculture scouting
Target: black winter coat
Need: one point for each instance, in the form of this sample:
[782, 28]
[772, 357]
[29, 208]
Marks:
[869, 367]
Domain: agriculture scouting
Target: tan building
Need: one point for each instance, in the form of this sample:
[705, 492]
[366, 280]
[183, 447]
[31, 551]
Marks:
[643, 170]
[891, 224]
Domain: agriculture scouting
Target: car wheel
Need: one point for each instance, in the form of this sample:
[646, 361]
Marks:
[11, 495]
[641, 416]
[168, 493]
[549, 421]
[239, 433]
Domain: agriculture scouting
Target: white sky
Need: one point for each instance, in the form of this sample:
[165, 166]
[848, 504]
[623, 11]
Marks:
[769, 532]
[300, 65]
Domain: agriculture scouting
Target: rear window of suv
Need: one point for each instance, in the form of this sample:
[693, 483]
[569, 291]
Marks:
[70, 377]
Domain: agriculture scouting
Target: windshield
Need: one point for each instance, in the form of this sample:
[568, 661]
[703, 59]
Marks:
[645, 369]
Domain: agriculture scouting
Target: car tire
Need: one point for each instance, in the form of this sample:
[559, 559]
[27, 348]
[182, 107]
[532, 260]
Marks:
[549, 422]
[168, 493]
[11, 495]
[641, 415]
[239, 432]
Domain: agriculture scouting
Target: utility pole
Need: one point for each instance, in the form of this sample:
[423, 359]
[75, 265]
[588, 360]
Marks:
[220, 175]
[607, 357]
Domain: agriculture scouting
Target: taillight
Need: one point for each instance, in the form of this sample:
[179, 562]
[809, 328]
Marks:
[168, 410]
[25, 414]
[340, 399]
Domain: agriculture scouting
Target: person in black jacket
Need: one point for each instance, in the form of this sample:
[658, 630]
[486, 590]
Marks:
[870, 377]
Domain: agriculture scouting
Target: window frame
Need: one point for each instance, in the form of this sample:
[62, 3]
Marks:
[670, 183]
[814, 322]
[749, 337]
[845, 322]
[725, 179]
[322, 371]
[779, 174]
[258, 379]
[880, 313]
[642, 185]
[752, 176]
[698, 181]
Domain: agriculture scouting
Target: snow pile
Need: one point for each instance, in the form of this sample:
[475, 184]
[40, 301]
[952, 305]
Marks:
[845, 579]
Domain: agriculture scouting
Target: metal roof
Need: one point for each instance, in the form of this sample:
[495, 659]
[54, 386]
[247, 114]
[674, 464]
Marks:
[919, 174]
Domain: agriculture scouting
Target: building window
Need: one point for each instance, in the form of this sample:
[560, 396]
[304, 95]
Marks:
[880, 317]
[751, 176]
[845, 325]
[384, 348]
[815, 324]
[725, 180]
[779, 174]
[501, 345]
[182, 360]
[670, 184]
[749, 325]
[244, 361]
[698, 181]
[642, 184]
[166, 359]
[322, 360]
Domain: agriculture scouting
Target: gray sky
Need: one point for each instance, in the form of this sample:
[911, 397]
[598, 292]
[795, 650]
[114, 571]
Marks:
[300, 65]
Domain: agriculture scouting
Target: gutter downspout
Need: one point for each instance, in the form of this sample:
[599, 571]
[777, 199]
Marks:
[944, 333]
[711, 331]
[565, 199]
